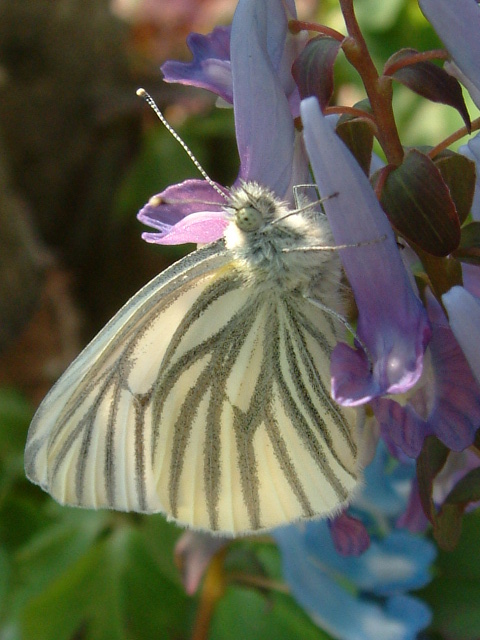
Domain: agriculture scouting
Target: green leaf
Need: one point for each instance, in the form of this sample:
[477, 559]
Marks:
[313, 69]
[64, 607]
[155, 605]
[443, 273]
[20, 519]
[158, 535]
[15, 415]
[246, 614]
[454, 594]
[357, 135]
[466, 490]
[113, 591]
[429, 81]
[56, 547]
[448, 525]
[418, 203]
[5, 576]
[459, 174]
[469, 248]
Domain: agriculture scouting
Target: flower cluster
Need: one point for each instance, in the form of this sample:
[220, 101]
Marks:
[416, 357]
[359, 597]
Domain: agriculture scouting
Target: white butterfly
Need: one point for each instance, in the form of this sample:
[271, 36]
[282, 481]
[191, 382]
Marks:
[207, 397]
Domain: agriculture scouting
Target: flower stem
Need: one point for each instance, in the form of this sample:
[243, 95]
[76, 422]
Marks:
[379, 89]
[214, 586]
[421, 56]
[296, 26]
[453, 137]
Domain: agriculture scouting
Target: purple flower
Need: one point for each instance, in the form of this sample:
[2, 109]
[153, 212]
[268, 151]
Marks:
[472, 151]
[458, 465]
[263, 121]
[349, 535]
[458, 25]
[414, 518]
[471, 272]
[392, 322]
[210, 68]
[464, 315]
[261, 54]
[180, 220]
[445, 403]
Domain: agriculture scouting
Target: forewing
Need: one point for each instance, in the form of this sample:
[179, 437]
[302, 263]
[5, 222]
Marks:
[89, 443]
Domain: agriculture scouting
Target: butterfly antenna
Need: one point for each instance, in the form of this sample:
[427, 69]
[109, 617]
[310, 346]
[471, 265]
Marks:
[303, 208]
[151, 102]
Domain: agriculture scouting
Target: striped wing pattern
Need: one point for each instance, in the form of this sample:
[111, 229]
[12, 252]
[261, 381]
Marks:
[204, 399]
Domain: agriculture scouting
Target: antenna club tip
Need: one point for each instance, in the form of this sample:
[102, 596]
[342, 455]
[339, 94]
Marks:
[141, 92]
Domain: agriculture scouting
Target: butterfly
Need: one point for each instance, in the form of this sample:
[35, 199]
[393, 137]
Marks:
[207, 397]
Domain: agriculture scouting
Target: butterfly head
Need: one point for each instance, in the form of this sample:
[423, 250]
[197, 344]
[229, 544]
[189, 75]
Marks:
[253, 207]
[249, 218]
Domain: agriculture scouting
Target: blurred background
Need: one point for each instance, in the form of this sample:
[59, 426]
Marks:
[80, 153]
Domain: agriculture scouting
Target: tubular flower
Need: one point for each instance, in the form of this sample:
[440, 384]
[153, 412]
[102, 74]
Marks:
[458, 25]
[392, 322]
[446, 403]
[464, 314]
[261, 52]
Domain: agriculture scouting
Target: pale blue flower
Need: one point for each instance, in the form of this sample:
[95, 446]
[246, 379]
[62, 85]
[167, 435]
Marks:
[363, 597]
[457, 22]
[471, 150]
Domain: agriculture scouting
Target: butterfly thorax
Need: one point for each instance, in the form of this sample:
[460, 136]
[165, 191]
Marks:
[267, 242]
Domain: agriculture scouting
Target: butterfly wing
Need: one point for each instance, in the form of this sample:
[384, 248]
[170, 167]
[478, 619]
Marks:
[206, 398]
[272, 447]
[86, 445]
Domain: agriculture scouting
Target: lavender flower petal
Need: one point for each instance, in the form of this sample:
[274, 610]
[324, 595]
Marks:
[263, 122]
[472, 151]
[446, 405]
[210, 68]
[349, 535]
[464, 315]
[458, 25]
[392, 322]
[191, 211]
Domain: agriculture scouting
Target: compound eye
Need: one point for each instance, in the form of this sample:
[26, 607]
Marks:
[248, 218]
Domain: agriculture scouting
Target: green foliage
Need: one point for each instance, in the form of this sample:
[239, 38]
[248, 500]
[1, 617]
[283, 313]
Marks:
[419, 205]
[70, 573]
[272, 615]
[454, 594]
